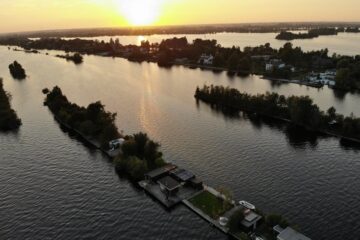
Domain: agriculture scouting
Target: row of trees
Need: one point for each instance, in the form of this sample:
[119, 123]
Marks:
[139, 155]
[312, 33]
[248, 60]
[8, 117]
[92, 121]
[300, 110]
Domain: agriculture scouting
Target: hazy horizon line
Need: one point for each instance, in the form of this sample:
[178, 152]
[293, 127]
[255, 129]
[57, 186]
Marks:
[179, 25]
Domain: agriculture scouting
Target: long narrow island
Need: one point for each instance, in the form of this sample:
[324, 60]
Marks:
[8, 117]
[286, 64]
[300, 111]
[138, 153]
[138, 158]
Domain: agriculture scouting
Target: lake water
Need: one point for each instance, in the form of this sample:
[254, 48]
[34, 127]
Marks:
[343, 43]
[55, 187]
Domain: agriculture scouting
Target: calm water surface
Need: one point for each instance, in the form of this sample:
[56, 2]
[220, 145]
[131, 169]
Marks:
[55, 187]
[343, 43]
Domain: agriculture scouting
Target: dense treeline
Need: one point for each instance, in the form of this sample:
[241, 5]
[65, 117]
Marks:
[348, 72]
[17, 71]
[8, 117]
[249, 60]
[298, 110]
[139, 155]
[312, 33]
[92, 121]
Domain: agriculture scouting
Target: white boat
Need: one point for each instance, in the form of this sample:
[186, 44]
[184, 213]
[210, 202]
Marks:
[247, 205]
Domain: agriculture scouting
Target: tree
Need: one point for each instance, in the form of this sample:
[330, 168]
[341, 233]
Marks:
[94, 109]
[228, 197]
[129, 147]
[151, 152]
[245, 64]
[331, 112]
[136, 168]
[343, 78]
[234, 223]
[233, 62]
[141, 139]
[274, 219]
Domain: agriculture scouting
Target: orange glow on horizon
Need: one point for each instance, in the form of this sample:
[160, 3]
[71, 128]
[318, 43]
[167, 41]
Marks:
[60, 14]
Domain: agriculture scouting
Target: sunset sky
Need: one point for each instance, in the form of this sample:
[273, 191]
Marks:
[20, 15]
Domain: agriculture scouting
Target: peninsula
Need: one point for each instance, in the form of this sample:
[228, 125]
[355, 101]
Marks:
[287, 64]
[138, 158]
[300, 111]
[8, 117]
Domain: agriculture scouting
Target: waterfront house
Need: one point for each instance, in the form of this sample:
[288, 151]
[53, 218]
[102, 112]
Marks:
[289, 234]
[251, 220]
[206, 59]
[324, 78]
[169, 186]
[274, 64]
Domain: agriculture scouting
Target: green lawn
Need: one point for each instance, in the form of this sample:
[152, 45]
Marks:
[210, 204]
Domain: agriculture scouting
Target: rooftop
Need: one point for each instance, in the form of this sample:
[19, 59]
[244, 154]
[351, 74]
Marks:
[182, 174]
[169, 183]
[159, 171]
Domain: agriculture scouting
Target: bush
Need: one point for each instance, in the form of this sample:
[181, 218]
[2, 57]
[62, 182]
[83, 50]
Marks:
[274, 219]
[132, 167]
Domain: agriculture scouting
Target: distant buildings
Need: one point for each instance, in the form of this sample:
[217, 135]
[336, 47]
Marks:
[274, 64]
[324, 78]
[206, 59]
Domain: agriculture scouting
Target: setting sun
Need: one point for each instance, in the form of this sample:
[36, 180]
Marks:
[140, 12]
